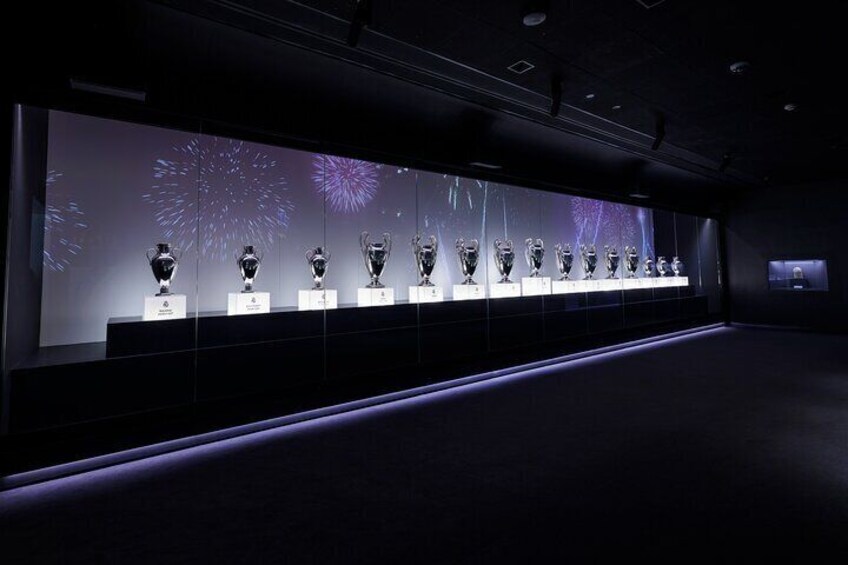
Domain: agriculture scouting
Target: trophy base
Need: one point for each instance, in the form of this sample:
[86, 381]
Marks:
[317, 299]
[167, 307]
[535, 286]
[370, 296]
[504, 290]
[629, 284]
[430, 293]
[567, 287]
[377, 284]
[241, 303]
[468, 291]
[245, 291]
[469, 282]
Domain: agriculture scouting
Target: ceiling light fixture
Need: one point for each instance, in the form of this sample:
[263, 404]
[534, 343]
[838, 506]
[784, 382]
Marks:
[640, 194]
[484, 165]
[534, 13]
[790, 107]
[740, 67]
[590, 96]
[617, 107]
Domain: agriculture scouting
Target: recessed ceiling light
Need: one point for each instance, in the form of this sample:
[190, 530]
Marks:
[484, 165]
[535, 12]
[617, 107]
[790, 107]
[532, 19]
[590, 96]
[521, 67]
[740, 67]
[640, 194]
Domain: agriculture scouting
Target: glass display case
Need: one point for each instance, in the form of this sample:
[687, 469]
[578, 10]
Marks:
[798, 275]
[154, 267]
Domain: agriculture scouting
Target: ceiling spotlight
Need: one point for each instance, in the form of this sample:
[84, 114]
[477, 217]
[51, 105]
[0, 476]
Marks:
[791, 107]
[534, 13]
[590, 96]
[617, 107]
[740, 67]
[640, 194]
[485, 165]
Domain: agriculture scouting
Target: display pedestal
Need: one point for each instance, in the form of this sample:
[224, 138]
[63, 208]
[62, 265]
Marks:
[504, 290]
[567, 287]
[609, 284]
[375, 296]
[324, 299]
[241, 303]
[629, 283]
[425, 294]
[534, 286]
[468, 291]
[170, 307]
[671, 281]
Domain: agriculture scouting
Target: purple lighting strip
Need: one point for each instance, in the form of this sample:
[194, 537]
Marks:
[138, 462]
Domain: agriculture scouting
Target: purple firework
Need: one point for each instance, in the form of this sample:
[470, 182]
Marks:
[603, 223]
[239, 190]
[64, 223]
[347, 184]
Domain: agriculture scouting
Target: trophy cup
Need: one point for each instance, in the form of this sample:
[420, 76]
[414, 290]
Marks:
[589, 258]
[564, 259]
[469, 255]
[534, 253]
[163, 261]
[376, 256]
[425, 257]
[676, 266]
[248, 263]
[318, 258]
[612, 259]
[631, 261]
[797, 273]
[504, 258]
[648, 267]
[662, 266]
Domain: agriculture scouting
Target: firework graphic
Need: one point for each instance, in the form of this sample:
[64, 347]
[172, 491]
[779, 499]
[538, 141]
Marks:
[64, 224]
[221, 194]
[347, 184]
[603, 223]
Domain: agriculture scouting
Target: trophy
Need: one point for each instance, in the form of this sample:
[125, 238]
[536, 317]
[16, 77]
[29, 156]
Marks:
[318, 258]
[612, 259]
[648, 267]
[425, 257]
[676, 266]
[797, 273]
[662, 266]
[534, 253]
[376, 256]
[631, 261]
[504, 258]
[564, 259]
[163, 261]
[248, 263]
[469, 255]
[589, 258]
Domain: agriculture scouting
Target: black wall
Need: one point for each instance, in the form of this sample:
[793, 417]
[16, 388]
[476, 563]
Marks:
[792, 222]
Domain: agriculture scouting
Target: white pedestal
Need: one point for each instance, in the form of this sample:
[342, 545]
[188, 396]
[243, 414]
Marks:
[504, 290]
[567, 287]
[629, 284]
[426, 294]
[609, 284]
[681, 281]
[534, 286]
[375, 296]
[592, 285]
[170, 307]
[469, 291]
[325, 299]
[241, 303]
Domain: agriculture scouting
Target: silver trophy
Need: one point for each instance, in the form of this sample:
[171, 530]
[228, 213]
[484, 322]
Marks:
[631, 261]
[318, 259]
[589, 258]
[534, 253]
[504, 258]
[376, 256]
[612, 260]
[469, 256]
[425, 257]
[676, 266]
[797, 273]
[163, 262]
[248, 264]
[648, 267]
[564, 259]
[662, 266]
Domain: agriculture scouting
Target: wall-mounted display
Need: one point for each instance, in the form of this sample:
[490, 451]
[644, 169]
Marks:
[798, 275]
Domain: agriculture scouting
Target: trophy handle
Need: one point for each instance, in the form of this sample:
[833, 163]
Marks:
[460, 245]
[497, 244]
[475, 244]
[434, 243]
[387, 242]
[415, 240]
[148, 255]
[177, 253]
[310, 253]
[363, 242]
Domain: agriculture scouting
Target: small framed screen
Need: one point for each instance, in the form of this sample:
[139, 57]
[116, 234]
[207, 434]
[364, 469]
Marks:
[798, 275]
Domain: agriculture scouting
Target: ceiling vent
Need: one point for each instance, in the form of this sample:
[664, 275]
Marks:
[521, 67]
[648, 4]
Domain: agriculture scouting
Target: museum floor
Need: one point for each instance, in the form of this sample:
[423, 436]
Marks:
[729, 445]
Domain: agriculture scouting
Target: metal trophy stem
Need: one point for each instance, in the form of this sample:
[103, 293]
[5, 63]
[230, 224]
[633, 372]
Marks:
[376, 255]
[318, 259]
[469, 256]
[425, 257]
[163, 262]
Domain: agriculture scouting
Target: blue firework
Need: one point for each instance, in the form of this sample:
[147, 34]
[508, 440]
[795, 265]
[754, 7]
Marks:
[220, 194]
[347, 184]
[64, 225]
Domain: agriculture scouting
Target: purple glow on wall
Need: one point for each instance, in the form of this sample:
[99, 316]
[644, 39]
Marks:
[64, 224]
[347, 184]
